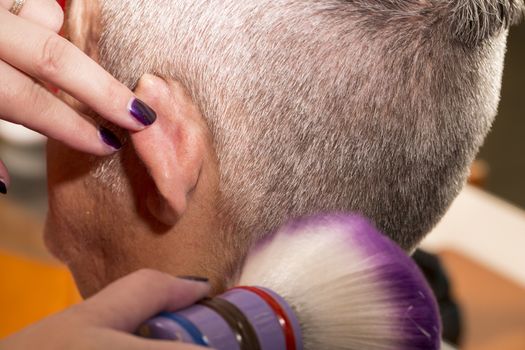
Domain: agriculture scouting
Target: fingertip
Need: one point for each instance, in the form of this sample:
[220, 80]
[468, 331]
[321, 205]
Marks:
[95, 140]
[110, 140]
[46, 13]
[202, 284]
[3, 187]
[4, 179]
[54, 20]
[186, 292]
[143, 114]
[195, 278]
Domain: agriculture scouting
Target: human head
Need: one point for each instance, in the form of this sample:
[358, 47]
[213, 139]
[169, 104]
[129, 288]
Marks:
[370, 106]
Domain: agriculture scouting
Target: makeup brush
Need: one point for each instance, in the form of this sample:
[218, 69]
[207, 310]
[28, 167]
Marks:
[329, 282]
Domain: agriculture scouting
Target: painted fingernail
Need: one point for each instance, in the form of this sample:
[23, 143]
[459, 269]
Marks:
[142, 112]
[194, 278]
[109, 138]
[3, 187]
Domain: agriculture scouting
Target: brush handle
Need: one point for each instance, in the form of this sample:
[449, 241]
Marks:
[242, 318]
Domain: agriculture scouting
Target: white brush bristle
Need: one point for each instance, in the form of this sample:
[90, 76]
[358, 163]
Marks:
[343, 280]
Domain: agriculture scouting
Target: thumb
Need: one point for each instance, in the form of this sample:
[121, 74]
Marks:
[131, 300]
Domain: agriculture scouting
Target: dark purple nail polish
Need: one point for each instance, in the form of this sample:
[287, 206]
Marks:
[194, 278]
[142, 112]
[109, 138]
[3, 187]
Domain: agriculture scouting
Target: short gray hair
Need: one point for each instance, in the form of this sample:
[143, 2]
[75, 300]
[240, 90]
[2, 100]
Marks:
[371, 106]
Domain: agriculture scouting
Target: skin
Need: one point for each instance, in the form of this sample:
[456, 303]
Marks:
[158, 208]
[32, 53]
[151, 205]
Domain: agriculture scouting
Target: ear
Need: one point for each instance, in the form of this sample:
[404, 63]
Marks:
[172, 149]
[82, 25]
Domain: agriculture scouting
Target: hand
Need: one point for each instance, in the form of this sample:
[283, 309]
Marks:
[31, 52]
[105, 320]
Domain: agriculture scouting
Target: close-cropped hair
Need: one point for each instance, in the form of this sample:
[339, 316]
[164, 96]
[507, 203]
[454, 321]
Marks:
[370, 106]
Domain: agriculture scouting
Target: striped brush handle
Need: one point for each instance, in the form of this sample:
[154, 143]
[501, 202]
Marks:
[251, 318]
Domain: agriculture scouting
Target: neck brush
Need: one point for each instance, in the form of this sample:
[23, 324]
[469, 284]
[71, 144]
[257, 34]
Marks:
[327, 282]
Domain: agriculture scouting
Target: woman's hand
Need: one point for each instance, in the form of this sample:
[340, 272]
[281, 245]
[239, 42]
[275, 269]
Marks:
[106, 320]
[31, 52]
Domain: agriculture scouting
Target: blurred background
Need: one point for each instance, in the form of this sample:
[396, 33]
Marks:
[478, 245]
[502, 150]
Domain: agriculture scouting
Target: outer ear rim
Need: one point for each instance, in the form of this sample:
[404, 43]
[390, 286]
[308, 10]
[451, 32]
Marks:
[83, 26]
[176, 171]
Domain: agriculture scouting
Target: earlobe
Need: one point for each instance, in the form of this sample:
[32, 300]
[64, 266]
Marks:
[172, 149]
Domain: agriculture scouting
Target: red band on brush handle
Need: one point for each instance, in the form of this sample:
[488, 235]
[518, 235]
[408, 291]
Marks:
[284, 321]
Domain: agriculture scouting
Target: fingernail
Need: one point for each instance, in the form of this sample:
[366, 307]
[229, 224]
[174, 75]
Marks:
[142, 112]
[109, 138]
[194, 278]
[3, 187]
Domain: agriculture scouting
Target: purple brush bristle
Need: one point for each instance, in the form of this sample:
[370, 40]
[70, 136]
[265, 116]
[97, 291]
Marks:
[420, 312]
[303, 263]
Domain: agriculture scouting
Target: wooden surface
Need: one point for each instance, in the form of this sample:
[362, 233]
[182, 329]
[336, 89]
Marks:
[493, 306]
[33, 285]
[21, 232]
[31, 290]
[482, 240]
[486, 228]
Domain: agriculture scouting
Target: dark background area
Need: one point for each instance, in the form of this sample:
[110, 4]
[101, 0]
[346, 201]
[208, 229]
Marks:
[505, 146]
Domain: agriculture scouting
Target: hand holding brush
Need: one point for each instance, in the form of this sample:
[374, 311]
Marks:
[327, 282]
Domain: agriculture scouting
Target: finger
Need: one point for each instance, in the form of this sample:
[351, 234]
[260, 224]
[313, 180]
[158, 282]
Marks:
[45, 55]
[114, 340]
[130, 301]
[4, 178]
[47, 13]
[28, 103]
